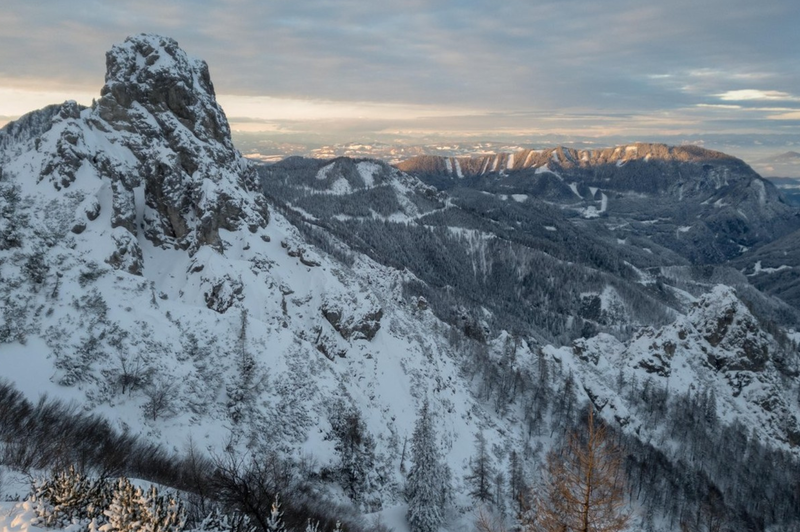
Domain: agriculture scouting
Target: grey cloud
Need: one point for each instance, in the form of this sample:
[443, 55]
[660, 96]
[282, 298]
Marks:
[611, 57]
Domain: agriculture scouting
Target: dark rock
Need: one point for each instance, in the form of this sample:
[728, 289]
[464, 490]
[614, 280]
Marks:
[349, 324]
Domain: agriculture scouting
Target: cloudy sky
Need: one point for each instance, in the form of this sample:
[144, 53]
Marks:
[511, 69]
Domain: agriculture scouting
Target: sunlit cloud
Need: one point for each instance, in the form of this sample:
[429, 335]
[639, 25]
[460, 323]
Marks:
[718, 106]
[270, 108]
[791, 115]
[352, 68]
[754, 94]
[15, 102]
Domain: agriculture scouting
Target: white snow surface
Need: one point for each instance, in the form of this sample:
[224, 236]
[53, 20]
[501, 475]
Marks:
[459, 172]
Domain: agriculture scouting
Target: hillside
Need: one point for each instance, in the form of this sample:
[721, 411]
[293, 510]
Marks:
[706, 206]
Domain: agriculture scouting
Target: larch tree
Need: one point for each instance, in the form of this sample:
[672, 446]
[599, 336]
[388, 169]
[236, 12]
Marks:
[584, 486]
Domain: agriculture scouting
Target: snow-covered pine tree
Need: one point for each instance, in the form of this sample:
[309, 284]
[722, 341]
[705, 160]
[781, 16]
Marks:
[69, 497]
[125, 513]
[162, 513]
[428, 479]
[220, 522]
[355, 447]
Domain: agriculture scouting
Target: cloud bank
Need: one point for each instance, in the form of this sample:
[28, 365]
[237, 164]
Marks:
[505, 68]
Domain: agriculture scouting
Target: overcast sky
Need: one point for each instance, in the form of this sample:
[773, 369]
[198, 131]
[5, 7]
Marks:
[468, 68]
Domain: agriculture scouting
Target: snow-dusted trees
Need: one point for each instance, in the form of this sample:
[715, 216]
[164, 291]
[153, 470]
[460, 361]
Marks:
[275, 519]
[584, 490]
[481, 472]
[248, 379]
[355, 447]
[135, 510]
[428, 480]
[70, 499]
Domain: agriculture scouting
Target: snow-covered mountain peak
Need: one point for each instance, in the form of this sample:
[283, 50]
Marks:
[154, 72]
[154, 150]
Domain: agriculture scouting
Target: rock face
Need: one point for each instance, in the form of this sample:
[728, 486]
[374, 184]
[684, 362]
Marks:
[156, 132]
[192, 190]
[351, 320]
[719, 345]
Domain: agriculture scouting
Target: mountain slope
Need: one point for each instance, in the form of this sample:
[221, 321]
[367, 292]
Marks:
[474, 250]
[140, 263]
[706, 206]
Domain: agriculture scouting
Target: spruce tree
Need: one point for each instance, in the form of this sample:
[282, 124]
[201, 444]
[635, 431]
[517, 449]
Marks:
[481, 472]
[428, 479]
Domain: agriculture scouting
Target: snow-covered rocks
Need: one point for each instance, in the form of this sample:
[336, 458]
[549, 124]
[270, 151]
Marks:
[157, 129]
[351, 318]
[719, 345]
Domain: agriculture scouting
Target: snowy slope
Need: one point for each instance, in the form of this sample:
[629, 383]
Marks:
[138, 257]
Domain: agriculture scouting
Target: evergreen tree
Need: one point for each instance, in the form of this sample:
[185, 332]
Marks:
[355, 447]
[162, 513]
[428, 479]
[481, 472]
[126, 512]
[69, 497]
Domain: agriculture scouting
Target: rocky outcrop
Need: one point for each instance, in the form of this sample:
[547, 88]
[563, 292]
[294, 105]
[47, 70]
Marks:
[352, 319]
[721, 345]
[156, 127]
[195, 182]
[726, 324]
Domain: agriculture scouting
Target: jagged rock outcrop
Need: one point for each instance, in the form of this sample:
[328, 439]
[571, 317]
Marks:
[156, 128]
[192, 175]
[719, 345]
[353, 319]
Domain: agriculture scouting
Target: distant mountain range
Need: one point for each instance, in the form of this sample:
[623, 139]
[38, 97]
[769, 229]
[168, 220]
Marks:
[705, 205]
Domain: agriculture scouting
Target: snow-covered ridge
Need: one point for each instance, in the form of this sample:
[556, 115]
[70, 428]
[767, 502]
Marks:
[719, 345]
[143, 241]
[142, 260]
